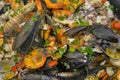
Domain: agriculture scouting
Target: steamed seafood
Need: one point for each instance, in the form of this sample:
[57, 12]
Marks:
[59, 40]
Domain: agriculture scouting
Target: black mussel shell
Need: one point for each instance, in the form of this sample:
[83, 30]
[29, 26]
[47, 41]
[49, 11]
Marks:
[37, 76]
[27, 32]
[73, 60]
[103, 32]
[25, 47]
[74, 31]
[116, 7]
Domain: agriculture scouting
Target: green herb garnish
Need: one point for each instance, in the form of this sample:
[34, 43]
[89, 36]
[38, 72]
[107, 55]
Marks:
[90, 28]
[58, 55]
[61, 18]
[87, 51]
[62, 50]
[18, 9]
[65, 64]
[5, 8]
[34, 18]
[71, 49]
[58, 30]
[46, 42]
[84, 23]
[81, 22]
[111, 7]
[27, 28]
[16, 58]
[18, 1]
[78, 21]
[75, 42]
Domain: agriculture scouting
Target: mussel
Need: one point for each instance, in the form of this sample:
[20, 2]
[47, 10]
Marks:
[73, 60]
[37, 76]
[93, 71]
[105, 33]
[28, 43]
[113, 53]
[116, 7]
[75, 75]
[25, 38]
[72, 32]
[115, 62]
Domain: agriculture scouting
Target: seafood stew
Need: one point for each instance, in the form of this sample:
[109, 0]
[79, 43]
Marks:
[59, 39]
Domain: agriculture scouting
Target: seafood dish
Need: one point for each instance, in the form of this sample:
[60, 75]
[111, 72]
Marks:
[59, 39]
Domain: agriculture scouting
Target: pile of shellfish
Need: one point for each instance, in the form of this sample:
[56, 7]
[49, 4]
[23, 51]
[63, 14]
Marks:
[59, 39]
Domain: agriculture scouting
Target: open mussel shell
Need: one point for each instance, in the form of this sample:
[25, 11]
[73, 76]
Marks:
[113, 53]
[28, 32]
[115, 62]
[6, 66]
[105, 33]
[99, 58]
[73, 60]
[93, 71]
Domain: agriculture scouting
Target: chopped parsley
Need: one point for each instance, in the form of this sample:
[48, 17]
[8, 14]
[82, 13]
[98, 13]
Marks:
[58, 30]
[62, 50]
[5, 8]
[16, 58]
[81, 22]
[18, 1]
[87, 51]
[58, 55]
[111, 7]
[75, 42]
[18, 9]
[66, 65]
[84, 23]
[71, 49]
[90, 28]
[27, 28]
[46, 42]
[1, 28]
[34, 18]
[61, 18]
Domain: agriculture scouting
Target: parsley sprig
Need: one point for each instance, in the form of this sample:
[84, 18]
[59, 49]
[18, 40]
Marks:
[87, 51]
